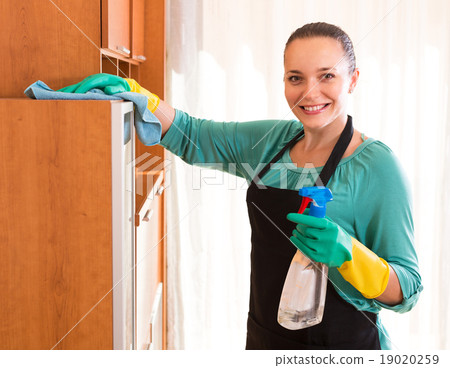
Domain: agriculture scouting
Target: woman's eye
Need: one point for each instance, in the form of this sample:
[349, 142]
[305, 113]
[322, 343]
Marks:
[328, 76]
[294, 79]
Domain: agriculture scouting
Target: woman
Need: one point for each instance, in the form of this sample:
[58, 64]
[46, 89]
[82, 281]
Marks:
[367, 239]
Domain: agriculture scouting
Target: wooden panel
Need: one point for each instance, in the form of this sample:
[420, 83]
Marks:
[124, 69]
[153, 77]
[109, 65]
[39, 42]
[152, 72]
[135, 72]
[55, 224]
[116, 25]
[137, 29]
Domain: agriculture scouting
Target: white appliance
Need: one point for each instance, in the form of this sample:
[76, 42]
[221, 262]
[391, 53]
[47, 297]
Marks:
[123, 209]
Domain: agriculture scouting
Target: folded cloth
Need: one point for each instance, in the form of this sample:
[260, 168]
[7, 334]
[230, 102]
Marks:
[148, 127]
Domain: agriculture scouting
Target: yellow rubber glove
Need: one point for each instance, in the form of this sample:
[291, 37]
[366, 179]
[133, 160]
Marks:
[153, 100]
[367, 272]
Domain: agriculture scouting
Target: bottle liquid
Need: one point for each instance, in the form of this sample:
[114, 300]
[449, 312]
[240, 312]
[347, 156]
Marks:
[303, 297]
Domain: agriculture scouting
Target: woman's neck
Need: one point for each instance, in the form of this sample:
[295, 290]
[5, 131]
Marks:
[323, 137]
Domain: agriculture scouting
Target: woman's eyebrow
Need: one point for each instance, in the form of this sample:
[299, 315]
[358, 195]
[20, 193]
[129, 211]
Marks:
[324, 69]
[294, 71]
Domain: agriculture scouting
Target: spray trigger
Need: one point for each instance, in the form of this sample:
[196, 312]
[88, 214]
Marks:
[304, 204]
[319, 196]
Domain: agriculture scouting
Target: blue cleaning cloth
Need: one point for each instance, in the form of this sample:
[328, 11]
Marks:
[148, 127]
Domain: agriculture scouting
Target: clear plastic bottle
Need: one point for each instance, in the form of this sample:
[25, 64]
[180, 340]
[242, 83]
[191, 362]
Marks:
[303, 298]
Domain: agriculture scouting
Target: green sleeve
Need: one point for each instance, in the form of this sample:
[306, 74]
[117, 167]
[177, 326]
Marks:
[384, 221]
[240, 148]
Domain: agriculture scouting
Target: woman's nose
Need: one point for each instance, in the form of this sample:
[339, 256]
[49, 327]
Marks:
[312, 90]
[309, 93]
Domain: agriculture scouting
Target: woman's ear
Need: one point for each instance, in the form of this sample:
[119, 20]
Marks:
[353, 80]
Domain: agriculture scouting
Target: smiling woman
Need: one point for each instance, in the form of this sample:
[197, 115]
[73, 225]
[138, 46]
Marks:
[318, 96]
[404, 80]
[367, 242]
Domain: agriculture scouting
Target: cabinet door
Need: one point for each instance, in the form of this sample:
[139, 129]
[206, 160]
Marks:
[55, 219]
[149, 273]
[116, 26]
[137, 29]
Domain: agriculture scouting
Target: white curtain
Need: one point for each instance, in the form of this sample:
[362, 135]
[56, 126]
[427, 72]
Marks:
[225, 63]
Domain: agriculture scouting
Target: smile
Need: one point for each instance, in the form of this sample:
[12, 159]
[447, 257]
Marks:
[315, 108]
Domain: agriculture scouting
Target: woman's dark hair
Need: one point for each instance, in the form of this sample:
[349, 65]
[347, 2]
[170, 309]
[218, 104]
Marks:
[321, 29]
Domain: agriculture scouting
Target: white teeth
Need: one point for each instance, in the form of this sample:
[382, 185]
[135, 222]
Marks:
[314, 108]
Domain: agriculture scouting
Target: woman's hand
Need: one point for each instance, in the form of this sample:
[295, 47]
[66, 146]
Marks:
[321, 240]
[108, 83]
[112, 84]
[163, 111]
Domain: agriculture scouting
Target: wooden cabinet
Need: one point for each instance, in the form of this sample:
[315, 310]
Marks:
[116, 26]
[56, 224]
[123, 27]
[137, 30]
[81, 266]
[84, 37]
[57, 42]
[69, 48]
[67, 198]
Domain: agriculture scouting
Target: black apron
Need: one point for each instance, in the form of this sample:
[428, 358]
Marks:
[342, 326]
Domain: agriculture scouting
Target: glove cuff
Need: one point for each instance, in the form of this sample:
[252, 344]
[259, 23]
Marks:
[153, 100]
[367, 272]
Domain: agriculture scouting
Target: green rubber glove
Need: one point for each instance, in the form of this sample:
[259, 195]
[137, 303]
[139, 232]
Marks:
[321, 240]
[108, 83]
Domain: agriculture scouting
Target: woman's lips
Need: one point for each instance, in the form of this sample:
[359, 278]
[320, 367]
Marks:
[314, 109]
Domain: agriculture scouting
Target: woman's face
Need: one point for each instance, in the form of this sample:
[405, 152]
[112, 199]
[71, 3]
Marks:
[317, 81]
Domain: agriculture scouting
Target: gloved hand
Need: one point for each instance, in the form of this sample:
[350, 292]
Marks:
[322, 240]
[153, 100]
[108, 83]
[112, 84]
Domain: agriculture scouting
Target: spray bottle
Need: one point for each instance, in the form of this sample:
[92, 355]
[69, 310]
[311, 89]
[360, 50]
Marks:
[303, 297]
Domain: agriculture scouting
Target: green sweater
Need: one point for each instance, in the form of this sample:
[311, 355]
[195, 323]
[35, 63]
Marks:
[371, 195]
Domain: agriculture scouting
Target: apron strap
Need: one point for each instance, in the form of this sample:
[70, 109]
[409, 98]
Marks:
[336, 155]
[332, 162]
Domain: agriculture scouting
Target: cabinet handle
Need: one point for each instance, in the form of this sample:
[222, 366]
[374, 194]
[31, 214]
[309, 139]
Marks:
[148, 215]
[141, 57]
[160, 190]
[123, 49]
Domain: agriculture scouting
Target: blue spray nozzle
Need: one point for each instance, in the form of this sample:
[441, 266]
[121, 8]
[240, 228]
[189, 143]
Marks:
[319, 197]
